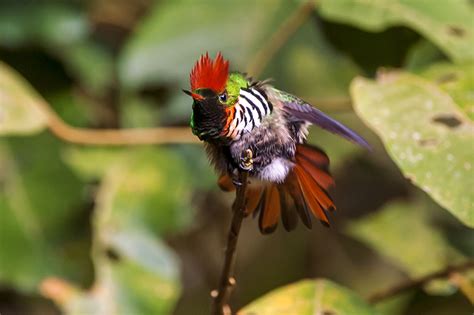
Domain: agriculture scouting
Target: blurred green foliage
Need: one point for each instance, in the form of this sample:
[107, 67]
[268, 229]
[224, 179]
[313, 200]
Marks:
[140, 230]
[412, 227]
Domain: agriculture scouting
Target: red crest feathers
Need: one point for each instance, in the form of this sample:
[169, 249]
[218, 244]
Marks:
[208, 74]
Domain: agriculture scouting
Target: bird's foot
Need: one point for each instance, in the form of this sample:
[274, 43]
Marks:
[246, 161]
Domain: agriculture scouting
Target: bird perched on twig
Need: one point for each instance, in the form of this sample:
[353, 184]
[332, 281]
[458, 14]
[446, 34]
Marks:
[236, 115]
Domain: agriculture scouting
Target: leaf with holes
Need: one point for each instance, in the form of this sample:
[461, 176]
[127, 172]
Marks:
[20, 111]
[318, 296]
[426, 134]
[457, 81]
[448, 24]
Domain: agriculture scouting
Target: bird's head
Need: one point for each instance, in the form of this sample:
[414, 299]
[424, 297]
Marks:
[214, 91]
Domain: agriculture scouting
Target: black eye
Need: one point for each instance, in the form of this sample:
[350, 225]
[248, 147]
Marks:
[223, 97]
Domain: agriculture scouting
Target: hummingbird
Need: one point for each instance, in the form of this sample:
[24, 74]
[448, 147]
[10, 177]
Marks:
[236, 115]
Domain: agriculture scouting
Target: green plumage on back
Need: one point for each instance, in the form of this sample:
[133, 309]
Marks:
[287, 97]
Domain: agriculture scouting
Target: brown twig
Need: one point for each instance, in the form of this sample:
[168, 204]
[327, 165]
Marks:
[411, 284]
[164, 135]
[227, 281]
[294, 21]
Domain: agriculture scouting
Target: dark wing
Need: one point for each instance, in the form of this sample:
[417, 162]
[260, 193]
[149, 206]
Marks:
[301, 110]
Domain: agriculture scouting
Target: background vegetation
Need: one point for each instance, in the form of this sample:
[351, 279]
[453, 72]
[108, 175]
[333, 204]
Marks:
[139, 227]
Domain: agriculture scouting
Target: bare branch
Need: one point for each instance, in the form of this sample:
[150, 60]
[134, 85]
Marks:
[164, 135]
[227, 281]
[411, 284]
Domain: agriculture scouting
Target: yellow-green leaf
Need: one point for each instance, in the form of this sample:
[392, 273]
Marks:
[19, 105]
[457, 81]
[425, 133]
[309, 297]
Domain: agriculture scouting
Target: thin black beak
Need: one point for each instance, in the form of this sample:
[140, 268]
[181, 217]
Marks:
[188, 93]
[196, 97]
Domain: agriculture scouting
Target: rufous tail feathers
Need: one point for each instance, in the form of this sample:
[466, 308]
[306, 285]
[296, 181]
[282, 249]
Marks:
[304, 190]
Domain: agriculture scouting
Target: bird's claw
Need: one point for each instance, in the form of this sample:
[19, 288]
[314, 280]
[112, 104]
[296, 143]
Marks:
[246, 161]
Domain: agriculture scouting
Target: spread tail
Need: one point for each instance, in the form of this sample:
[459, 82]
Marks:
[304, 190]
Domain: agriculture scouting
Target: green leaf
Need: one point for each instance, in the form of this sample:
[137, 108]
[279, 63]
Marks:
[141, 112]
[151, 184]
[164, 48]
[64, 31]
[50, 23]
[143, 192]
[127, 286]
[39, 202]
[401, 232]
[74, 108]
[448, 24]
[90, 63]
[308, 66]
[20, 111]
[136, 273]
[457, 81]
[425, 133]
[309, 297]
[422, 55]
[403, 227]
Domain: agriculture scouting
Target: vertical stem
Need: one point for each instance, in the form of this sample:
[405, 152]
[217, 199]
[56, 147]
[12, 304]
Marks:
[227, 281]
[280, 37]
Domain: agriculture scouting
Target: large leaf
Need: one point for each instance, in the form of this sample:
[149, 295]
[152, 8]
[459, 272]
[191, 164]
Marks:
[90, 63]
[61, 29]
[403, 227]
[448, 24]
[457, 81]
[50, 23]
[151, 184]
[143, 281]
[144, 192]
[309, 297]
[135, 272]
[164, 49]
[425, 133]
[19, 109]
[39, 202]
[308, 66]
